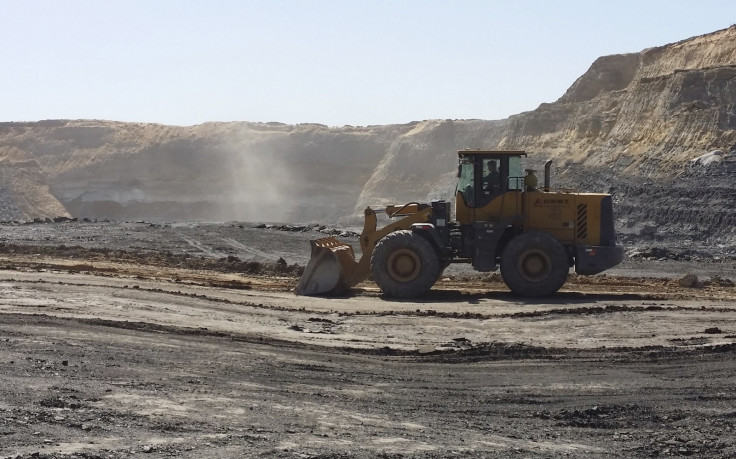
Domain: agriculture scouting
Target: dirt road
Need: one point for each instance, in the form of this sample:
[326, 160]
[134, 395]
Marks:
[109, 360]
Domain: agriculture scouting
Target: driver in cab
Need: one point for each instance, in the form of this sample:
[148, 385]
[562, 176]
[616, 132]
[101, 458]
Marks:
[493, 178]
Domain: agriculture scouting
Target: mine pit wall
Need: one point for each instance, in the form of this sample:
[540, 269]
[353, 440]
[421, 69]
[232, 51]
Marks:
[24, 193]
[661, 205]
[230, 171]
[628, 126]
[693, 210]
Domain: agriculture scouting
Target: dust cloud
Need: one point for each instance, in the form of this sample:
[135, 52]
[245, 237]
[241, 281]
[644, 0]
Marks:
[259, 185]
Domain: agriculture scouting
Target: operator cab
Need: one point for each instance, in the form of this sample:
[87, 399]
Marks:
[484, 175]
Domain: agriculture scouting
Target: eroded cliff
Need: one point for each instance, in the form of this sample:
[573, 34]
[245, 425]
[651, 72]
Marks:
[640, 116]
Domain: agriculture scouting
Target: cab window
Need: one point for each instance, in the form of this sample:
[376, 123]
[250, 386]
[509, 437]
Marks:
[492, 175]
[516, 176]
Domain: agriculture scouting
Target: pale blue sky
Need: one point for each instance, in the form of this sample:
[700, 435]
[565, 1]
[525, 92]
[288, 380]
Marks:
[333, 62]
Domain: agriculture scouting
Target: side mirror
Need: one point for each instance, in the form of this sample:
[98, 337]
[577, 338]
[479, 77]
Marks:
[459, 168]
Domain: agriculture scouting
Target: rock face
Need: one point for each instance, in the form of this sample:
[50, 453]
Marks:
[630, 125]
[213, 171]
[24, 194]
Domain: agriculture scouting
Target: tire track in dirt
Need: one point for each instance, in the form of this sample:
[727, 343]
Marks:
[356, 322]
[250, 250]
[203, 249]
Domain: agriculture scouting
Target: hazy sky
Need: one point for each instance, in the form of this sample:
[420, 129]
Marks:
[332, 62]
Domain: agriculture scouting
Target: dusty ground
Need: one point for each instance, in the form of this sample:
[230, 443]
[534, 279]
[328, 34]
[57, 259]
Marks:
[127, 340]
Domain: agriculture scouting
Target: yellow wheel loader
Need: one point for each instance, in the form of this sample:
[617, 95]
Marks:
[501, 220]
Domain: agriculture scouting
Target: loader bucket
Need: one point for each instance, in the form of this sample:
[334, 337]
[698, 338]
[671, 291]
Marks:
[329, 269]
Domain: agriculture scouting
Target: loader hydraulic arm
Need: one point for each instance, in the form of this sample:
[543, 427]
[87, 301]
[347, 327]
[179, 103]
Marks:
[413, 213]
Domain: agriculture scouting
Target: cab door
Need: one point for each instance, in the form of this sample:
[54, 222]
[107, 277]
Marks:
[465, 197]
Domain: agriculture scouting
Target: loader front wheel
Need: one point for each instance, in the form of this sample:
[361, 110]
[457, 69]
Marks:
[534, 264]
[405, 265]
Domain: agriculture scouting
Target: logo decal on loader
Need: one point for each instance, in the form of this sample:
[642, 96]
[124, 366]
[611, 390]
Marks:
[556, 202]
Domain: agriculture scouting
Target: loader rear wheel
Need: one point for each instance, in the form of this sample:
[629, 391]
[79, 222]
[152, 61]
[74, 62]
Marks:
[405, 265]
[534, 264]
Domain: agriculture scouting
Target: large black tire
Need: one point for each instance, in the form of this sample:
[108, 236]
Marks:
[534, 264]
[405, 265]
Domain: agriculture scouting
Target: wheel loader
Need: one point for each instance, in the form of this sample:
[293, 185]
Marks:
[502, 220]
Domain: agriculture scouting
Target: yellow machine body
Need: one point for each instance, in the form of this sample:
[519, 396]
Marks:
[502, 219]
[572, 218]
